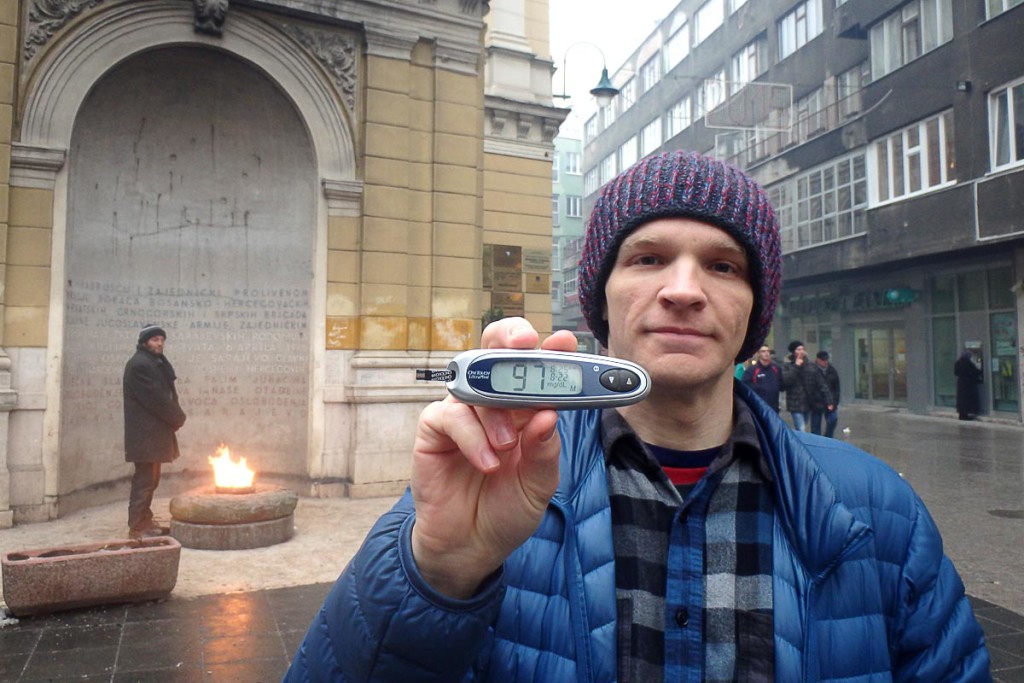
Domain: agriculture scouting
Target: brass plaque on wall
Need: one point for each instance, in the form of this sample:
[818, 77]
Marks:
[508, 302]
[537, 260]
[507, 258]
[538, 283]
[507, 281]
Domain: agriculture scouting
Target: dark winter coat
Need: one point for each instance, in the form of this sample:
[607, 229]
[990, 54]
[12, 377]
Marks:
[968, 377]
[793, 385]
[766, 381]
[151, 411]
[819, 396]
[832, 380]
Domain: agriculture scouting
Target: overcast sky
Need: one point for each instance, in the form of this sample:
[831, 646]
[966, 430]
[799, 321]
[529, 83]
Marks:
[615, 26]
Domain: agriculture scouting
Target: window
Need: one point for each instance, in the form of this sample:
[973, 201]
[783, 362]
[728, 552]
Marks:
[680, 116]
[994, 7]
[800, 26]
[591, 181]
[735, 5]
[555, 205]
[650, 137]
[556, 257]
[677, 47]
[1006, 123]
[707, 20]
[848, 89]
[648, 74]
[573, 206]
[627, 96]
[627, 153]
[711, 93]
[569, 289]
[608, 115]
[811, 114]
[590, 129]
[747, 64]
[915, 159]
[572, 163]
[918, 27]
[554, 168]
[608, 169]
[823, 205]
[830, 202]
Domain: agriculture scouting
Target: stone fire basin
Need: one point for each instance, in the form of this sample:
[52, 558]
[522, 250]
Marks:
[54, 579]
[207, 520]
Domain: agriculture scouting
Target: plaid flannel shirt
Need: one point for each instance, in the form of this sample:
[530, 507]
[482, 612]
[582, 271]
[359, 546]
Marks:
[693, 575]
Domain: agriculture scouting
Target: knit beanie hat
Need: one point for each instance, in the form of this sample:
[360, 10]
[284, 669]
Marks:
[793, 345]
[149, 331]
[684, 185]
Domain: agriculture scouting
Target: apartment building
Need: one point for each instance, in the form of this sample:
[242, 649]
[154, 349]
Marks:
[890, 136]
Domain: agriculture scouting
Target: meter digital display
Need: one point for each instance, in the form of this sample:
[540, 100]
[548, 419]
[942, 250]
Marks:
[539, 377]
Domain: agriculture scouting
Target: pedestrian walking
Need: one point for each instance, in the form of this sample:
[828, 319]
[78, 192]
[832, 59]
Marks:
[765, 377]
[152, 415]
[968, 377]
[830, 414]
[793, 385]
[691, 536]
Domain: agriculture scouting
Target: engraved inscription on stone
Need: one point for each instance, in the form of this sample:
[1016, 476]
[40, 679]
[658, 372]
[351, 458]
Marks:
[190, 205]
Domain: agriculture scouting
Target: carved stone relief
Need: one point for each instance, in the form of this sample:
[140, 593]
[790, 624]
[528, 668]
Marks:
[336, 53]
[210, 15]
[46, 17]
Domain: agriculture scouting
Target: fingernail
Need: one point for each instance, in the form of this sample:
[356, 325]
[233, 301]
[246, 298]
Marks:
[550, 435]
[505, 435]
[490, 461]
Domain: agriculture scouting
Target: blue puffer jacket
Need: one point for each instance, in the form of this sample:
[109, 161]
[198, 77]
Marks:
[862, 591]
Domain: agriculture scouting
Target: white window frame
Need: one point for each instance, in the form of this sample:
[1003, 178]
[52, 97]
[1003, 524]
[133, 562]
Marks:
[735, 5]
[608, 168]
[628, 153]
[627, 96]
[1012, 115]
[680, 117]
[573, 162]
[712, 93]
[591, 181]
[806, 203]
[896, 160]
[994, 8]
[573, 206]
[590, 129]
[850, 85]
[649, 74]
[746, 64]
[650, 137]
[799, 26]
[554, 167]
[677, 47]
[913, 30]
[556, 208]
[707, 19]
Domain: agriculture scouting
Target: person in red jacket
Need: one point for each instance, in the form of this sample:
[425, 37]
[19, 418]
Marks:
[765, 377]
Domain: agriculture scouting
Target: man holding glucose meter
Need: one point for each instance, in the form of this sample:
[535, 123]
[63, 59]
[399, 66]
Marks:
[672, 530]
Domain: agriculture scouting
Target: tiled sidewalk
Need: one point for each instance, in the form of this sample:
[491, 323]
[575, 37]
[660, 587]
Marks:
[250, 638]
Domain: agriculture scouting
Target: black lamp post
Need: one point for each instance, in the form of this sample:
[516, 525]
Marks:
[604, 92]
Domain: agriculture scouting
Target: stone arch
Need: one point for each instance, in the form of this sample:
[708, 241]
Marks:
[72, 66]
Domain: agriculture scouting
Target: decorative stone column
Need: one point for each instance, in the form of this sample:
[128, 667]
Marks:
[8, 399]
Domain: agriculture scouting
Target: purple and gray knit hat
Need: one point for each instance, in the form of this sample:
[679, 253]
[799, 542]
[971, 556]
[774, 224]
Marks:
[684, 184]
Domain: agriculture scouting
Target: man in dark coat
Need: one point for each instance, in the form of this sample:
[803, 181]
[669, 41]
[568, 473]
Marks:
[825, 402]
[968, 377]
[151, 417]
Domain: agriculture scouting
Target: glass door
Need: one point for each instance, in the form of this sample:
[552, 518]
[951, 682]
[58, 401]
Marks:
[881, 372]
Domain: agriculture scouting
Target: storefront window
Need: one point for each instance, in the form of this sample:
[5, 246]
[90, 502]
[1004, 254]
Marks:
[943, 294]
[944, 354]
[970, 291]
[1000, 282]
[1004, 362]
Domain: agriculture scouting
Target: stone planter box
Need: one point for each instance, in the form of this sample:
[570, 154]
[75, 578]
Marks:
[55, 579]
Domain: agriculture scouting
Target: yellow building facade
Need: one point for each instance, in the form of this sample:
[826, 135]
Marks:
[314, 199]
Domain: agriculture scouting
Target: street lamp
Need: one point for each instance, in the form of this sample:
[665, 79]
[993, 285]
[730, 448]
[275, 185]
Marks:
[604, 91]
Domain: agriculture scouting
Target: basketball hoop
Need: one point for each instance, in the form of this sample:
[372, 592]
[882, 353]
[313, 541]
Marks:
[750, 105]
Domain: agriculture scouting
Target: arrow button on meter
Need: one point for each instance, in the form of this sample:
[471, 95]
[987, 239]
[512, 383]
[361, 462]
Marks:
[619, 380]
